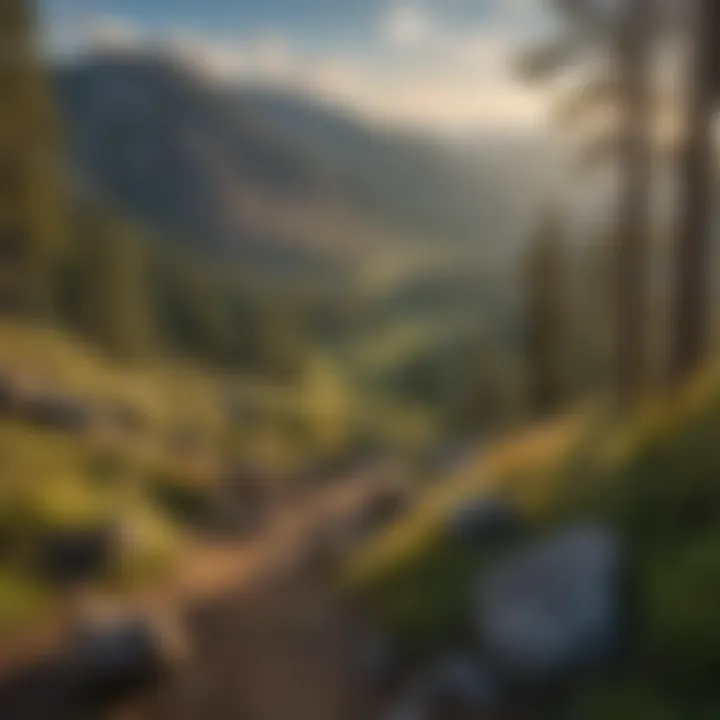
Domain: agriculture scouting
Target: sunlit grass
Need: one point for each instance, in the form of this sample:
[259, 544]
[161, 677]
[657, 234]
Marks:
[21, 600]
[652, 477]
[518, 466]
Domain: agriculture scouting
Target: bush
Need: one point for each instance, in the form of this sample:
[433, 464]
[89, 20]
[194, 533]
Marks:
[625, 701]
[681, 614]
[427, 602]
[182, 499]
[655, 479]
[149, 552]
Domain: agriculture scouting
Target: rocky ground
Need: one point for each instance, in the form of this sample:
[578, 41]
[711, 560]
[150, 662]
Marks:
[282, 651]
[267, 638]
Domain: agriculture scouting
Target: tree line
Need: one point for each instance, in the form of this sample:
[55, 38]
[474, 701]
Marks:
[67, 257]
[618, 50]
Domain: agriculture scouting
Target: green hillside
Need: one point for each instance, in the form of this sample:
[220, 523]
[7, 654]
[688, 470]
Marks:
[652, 478]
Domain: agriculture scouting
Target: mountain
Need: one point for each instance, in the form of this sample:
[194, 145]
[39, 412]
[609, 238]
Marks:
[180, 158]
[275, 179]
[411, 182]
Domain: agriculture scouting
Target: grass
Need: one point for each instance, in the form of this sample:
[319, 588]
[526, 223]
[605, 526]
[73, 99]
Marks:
[63, 481]
[146, 479]
[22, 601]
[48, 485]
[655, 478]
[417, 579]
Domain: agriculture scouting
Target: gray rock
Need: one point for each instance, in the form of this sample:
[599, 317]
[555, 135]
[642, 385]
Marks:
[110, 659]
[74, 556]
[377, 661]
[454, 686]
[413, 703]
[483, 519]
[554, 609]
[465, 683]
[48, 409]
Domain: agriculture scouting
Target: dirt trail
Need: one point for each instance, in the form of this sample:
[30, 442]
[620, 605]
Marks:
[280, 651]
[268, 641]
[273, 644]
[208, 567]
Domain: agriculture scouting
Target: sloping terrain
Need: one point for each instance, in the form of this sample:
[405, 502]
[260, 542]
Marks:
[278, 179]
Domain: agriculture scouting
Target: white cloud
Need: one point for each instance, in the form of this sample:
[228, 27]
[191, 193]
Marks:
[266, 58]
[407, 26]
[452, 96]
[428, 76]
[70, 37]
[109, 33]
[519, 12]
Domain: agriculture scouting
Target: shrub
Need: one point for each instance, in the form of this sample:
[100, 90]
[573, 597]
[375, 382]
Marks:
[681, 614]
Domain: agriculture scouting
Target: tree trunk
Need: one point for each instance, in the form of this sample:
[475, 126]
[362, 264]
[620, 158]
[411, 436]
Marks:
[692, 301]
[634, 56]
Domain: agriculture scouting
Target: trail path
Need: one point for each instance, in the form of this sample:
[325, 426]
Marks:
[268, 643]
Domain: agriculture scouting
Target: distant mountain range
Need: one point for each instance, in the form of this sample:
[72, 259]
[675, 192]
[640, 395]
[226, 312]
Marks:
[279, 180]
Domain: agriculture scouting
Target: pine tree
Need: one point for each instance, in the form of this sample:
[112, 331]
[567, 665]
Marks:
[615, 41]
[30, 202]
[544, 316]
[692, 302]
[103, 285]
[633, 69]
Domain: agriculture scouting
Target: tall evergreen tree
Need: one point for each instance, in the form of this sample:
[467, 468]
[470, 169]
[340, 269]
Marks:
[544, 318]
[692, 301]
[616, 41]
[30, 202]
[633, 70]
[104, 287]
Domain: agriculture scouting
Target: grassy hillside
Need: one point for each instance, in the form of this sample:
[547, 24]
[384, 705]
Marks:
[147, 448]
[414, 576]
[654, 478]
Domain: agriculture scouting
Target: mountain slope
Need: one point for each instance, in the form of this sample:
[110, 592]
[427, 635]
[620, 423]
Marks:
[275, 179]
[178, 157]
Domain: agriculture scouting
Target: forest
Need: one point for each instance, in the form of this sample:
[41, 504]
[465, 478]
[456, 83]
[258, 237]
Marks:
[225, 307]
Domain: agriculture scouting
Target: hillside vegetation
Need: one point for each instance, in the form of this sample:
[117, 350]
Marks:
[279, 181]
[91, 443]
[653, 478]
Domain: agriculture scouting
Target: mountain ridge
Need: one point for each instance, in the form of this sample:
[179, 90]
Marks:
[274, 177]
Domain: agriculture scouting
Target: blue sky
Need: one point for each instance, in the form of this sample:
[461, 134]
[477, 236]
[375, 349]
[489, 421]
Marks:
[321, 21]
[434, 63]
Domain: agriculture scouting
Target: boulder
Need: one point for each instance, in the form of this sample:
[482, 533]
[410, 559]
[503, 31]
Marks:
[462, 684]
[483, 519]
[554, 609]
[378, 663]
[116, 658]
[78, 555]
[452, 688]
[412, 706]
[58, 412]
